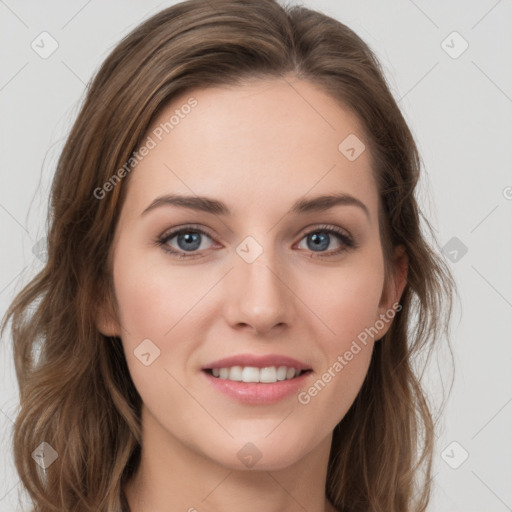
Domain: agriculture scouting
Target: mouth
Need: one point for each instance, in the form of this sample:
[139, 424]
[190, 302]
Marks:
[261, 385]
[254, 374]
[257, 379]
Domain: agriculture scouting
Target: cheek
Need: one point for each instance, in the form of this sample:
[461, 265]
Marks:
[348, 306]
[346, 301]
[151, 298]
[158, 303]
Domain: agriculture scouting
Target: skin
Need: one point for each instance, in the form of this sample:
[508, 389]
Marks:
[257, 147]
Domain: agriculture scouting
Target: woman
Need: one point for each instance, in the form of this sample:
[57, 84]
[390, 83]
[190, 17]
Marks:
[237, 283]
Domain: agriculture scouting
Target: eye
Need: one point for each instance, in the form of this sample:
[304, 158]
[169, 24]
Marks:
[190, 244]
[188, 239]
[321, 237]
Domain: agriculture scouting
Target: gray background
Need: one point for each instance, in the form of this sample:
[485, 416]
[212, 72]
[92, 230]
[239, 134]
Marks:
[459, 108]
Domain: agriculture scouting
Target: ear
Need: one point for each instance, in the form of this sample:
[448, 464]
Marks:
[105, 318]
[393, 288]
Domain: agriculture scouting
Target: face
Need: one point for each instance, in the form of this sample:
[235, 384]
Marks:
[257, 282]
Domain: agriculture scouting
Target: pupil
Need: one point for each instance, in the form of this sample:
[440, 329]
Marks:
[321, 241]
[189, 238]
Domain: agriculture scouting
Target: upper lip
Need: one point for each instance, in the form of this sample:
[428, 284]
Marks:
[257, 362]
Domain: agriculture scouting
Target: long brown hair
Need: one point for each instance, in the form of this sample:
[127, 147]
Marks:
[77, 394]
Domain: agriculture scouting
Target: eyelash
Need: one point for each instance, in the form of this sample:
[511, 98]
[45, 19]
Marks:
[347, 241]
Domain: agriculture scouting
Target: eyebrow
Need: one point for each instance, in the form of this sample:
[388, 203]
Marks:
[216, 207]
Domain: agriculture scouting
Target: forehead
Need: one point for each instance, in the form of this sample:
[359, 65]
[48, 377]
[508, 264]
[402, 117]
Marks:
[267, 141]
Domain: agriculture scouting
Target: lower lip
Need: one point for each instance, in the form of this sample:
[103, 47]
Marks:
[258, 392]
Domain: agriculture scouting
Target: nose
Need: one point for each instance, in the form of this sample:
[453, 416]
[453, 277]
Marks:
[258, 296]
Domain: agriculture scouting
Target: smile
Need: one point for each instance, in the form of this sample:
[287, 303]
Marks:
[269, 374]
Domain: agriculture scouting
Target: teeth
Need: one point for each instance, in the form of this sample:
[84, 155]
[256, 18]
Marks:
[235, 373]
[269, 374]
[250, 374]
[281, 373]
[290, 373]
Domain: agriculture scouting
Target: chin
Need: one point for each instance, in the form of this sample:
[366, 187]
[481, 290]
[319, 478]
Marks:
[262, 453]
